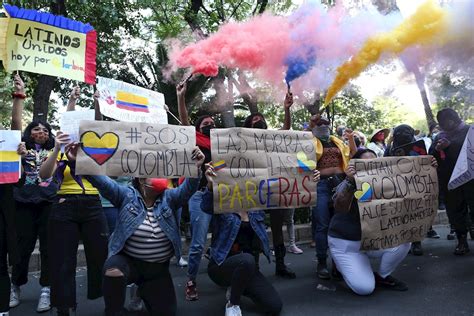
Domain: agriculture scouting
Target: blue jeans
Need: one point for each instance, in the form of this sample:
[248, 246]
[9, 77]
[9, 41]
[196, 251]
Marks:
[321, 216]
[111, 214]
[200, 221]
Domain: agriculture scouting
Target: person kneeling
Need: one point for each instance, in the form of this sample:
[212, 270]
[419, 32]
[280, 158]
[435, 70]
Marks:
[237, 240]
[145, 238]
[345, 241]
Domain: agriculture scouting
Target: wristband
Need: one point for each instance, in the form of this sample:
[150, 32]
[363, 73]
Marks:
[18, 95]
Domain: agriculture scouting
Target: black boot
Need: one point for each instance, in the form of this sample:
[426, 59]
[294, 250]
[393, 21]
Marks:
[451, 235]
[63, 311]
[463, 247]
[335, 274]
[281, 269]
[322, 270]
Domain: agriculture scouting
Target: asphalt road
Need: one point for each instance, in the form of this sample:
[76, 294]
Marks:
[439, 284]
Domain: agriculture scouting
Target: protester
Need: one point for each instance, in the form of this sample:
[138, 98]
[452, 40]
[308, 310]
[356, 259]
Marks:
[145, 239]
[237, 240]
[332, 157]
[358, 135]
[200, 220]
[345, 241]
[76, 214]
[446, 149]
[377, 141]
[277, 216]
[9, 253]
[33, 198]
[403, 135]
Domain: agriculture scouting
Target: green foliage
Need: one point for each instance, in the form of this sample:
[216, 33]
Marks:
[456, 92]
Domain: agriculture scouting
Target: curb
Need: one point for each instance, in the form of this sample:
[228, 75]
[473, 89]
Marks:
[302, 234]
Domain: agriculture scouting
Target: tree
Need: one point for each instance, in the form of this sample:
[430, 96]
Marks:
[454, 91]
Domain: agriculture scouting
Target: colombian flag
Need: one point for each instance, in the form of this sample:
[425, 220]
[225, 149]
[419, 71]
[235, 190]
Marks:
[131, 102]
[9, 167]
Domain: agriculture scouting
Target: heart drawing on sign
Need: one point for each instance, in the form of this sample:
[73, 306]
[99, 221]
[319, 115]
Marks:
[364, 195]
[99, 148]
[305, 164]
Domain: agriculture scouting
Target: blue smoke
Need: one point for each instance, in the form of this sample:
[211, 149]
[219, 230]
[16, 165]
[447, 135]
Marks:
[299, 64]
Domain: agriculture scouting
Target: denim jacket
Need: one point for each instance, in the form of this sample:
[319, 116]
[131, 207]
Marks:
[226, 228]
[132, 210]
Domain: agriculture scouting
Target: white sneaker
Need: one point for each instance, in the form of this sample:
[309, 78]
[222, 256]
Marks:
[4, 314]
[182, 262]
[136, 303]
[294, 249]
[44, 303]
[14, 296]
[233, 310]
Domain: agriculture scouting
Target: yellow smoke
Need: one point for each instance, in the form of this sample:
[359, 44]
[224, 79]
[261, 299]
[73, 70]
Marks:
[423, 27]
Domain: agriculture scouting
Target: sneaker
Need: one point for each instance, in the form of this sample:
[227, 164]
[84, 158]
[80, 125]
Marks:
[432, 234]
[451, 235]
[44, 303]
[233, 310]
[322, 271]
[191, 291]
[136, 302]
[14, 296]
[294, 249]
[4, 313]
[390, 282]
[182, 262]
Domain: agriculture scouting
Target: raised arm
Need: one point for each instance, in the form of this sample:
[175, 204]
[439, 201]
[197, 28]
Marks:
[183, 112]
[349, 134]
[48, 168]
[75, 95]
[98, 115]
[18, 100]
[287, 105]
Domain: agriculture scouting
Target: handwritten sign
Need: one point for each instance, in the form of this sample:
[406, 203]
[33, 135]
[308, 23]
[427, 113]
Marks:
[10, 161]
[397, 198]
[126, 102]
[260, 169]
[43, 43]
[70, 120]
[464, 169]
[136, 149]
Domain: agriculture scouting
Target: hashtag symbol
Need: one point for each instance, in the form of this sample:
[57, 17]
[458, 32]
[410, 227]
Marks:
[134, 135]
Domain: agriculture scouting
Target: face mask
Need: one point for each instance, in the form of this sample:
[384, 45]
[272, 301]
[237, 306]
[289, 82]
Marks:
[40, 138]
[159, 185]
[260, 125]
[321, 132]
[206, 130]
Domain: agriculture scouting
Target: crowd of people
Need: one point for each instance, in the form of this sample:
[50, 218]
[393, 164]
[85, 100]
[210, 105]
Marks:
[130, 227]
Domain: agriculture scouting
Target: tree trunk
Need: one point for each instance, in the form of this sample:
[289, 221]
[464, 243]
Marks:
[420, 81]
[46, 83]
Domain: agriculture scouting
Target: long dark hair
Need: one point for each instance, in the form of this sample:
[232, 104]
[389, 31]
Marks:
[248, 120]
[30, 143]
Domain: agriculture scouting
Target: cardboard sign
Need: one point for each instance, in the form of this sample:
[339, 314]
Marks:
[260, 169]
[417, 148]
[464, 169]
[136, 149]
[126, 102]
[10, 161]
[397, 198]
[43, 43]
[70, 120]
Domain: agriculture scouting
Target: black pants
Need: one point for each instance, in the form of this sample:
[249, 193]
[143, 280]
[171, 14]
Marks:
[31, 221]
[276, 223]
[75, 217]
[241, 274]
[155, 285]
[4, 277]
[457, 203]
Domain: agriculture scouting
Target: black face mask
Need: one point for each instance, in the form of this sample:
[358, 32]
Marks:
[206, 130]
[260, 125]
